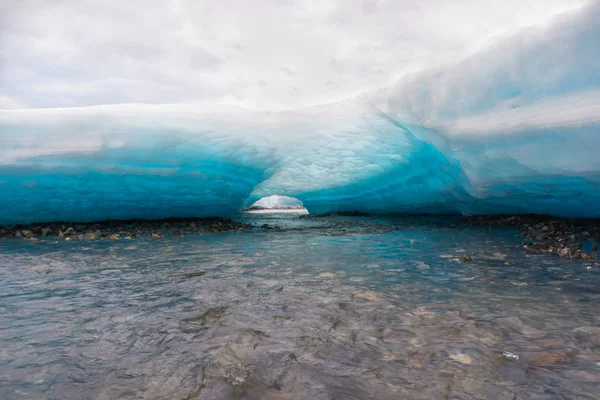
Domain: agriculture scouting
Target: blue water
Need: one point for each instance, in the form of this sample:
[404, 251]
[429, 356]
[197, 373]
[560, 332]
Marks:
[325, 307]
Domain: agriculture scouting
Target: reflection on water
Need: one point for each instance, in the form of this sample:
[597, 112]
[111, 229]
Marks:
[279, 211]
[325, 308]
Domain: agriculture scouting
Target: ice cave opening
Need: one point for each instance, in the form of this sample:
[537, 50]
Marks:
[276, 203]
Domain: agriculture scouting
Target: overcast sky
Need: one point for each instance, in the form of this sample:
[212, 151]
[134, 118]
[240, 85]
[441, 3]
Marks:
[260, 54]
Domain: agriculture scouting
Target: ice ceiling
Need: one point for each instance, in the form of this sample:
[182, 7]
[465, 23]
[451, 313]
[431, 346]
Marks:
[514, 128]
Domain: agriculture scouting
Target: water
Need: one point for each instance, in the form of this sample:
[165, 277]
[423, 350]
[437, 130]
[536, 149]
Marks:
[324, 308]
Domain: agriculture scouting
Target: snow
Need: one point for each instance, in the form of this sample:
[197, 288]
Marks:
[513, 128]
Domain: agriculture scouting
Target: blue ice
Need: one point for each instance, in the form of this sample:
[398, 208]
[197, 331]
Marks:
[514, 128]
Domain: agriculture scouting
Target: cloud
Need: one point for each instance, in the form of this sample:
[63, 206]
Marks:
[73, 52]
[8, 103]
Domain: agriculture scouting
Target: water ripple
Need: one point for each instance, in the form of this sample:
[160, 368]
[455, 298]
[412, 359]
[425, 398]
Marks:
[384, 312]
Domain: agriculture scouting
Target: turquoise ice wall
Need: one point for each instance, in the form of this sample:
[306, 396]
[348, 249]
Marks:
[513, 128]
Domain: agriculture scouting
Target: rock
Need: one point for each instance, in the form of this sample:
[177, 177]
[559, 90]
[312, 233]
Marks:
[368, 295]
[582, 256]
[540, 237]
[588, 334]
[189, 274]
[236, 375]
[510, 356]
[541, 246]
[212, 314]
[565, 252]
[549, 358]
[461, 358]
[326, 275]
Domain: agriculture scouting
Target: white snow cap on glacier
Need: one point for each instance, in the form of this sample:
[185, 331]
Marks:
[259, 54]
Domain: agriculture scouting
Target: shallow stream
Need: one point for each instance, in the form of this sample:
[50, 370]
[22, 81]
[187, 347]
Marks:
[322, 308]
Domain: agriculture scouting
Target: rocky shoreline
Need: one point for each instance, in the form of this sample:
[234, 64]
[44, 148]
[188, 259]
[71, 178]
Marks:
[542, 234]
[117, 230]
[572, 238]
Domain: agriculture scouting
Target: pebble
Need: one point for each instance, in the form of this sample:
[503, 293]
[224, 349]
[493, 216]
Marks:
[368, 295]
[564, 252]
[461, 358]
[326, 275]
[236, 375]
[510, 356]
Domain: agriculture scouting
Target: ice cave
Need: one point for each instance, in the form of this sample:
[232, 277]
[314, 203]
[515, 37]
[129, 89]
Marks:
[514, 128]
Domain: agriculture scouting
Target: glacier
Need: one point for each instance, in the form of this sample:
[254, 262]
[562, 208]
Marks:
[514, 128]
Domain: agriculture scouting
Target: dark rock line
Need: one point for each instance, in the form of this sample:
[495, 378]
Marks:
[116, 230]
[573, 238]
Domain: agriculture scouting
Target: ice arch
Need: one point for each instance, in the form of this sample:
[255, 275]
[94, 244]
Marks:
[514, 128]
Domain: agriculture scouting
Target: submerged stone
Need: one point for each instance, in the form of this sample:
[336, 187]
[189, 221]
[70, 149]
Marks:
[189, 274]
[510, 356]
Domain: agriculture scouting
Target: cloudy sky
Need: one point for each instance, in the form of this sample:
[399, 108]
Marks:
[259, 54]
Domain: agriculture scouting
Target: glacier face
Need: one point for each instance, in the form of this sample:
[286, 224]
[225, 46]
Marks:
[513, 128]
